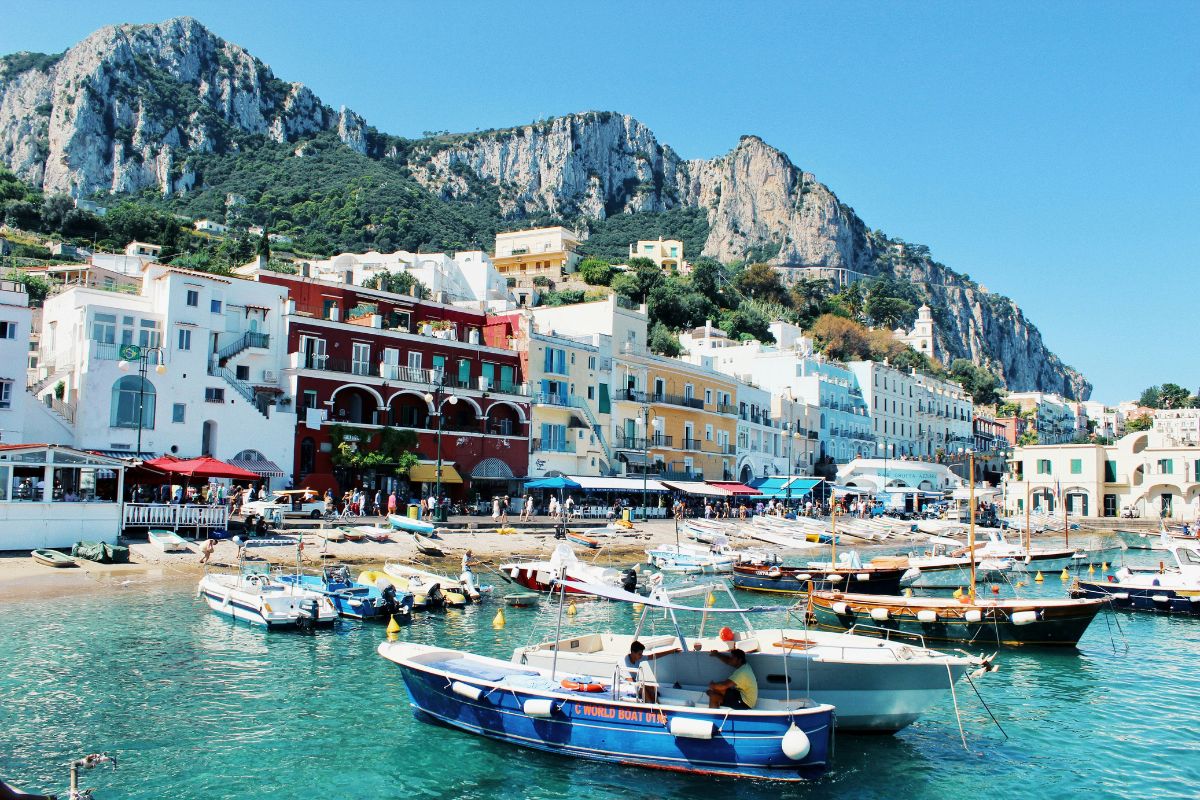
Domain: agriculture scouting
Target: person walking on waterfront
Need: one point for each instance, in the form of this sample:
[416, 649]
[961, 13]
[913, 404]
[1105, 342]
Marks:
[504, 510]
[378, 502]
[391, 503]
[496, 510]
[527, 511]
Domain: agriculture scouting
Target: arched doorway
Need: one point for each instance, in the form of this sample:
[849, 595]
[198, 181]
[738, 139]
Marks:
[746, 475]
[1077, 502]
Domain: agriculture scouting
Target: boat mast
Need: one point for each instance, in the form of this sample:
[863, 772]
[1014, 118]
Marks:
[1066, 527]
[971, 529]
[562, 598]
[1028, 534]
[832, 528]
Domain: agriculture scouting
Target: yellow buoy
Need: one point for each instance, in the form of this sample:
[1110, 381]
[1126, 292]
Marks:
[1091, 569]
[393, 629]
[498, 621]
[1038, 578]
[638, 608]
[711, 600]
[1104, 566]
[1065, 575]
[571, 609]
[958, 593]
[908, 592]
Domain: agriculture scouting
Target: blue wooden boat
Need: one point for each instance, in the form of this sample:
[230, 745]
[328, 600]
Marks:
[354, 600]
[530, 707]
[1161, 590]
[403, 523]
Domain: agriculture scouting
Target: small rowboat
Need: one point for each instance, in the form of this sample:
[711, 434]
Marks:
[353, 535]
[334, 535]
[374, 534]
[53, 558]
[412, 525]
[426, 546]
[580, 539]
[167, 541]
[522, 599]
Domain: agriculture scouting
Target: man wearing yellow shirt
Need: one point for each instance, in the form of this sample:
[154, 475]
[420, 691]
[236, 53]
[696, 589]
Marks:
[740, 690]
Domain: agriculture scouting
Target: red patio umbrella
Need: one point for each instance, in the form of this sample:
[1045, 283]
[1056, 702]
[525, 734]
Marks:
[203, 467]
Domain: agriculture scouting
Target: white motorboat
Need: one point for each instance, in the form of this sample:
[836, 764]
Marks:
[251, 595]
[540, 575]
[876, 685]
[1163, 590]
[690, 558]
[463, 585]
[1025, 557]
[1161, 539]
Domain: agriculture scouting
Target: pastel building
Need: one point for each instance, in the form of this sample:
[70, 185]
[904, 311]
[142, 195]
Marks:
[547, 253]
[190, 365]
[1055, 419]
[1143, 473]
[1178, 425]
[15, 329]
[666, 253]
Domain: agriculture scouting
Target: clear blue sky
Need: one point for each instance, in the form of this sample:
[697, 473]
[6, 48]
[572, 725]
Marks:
[1050, 150]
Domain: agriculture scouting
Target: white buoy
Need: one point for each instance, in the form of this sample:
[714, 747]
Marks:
[795, 743]
[879, 614]
[974, 615]
[1024, 617]
[688, 728]
[927, 615]
[840, 608]
[834, 578]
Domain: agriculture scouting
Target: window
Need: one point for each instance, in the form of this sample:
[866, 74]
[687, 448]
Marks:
[214, 394]
[555, 361]
[185, 339]
[1076, 466]
[708, 433]
[591, 362]
[464, 372]
[8, 330]
[361, 359]
[242, 372]
[215, 306]
[308, 456]
[1166, 466]
[708, 397]
[178, 412]
[591, 393]
[312, 352]
[132, 399]
[308, 399]
[193, 297]
[6, 394]
[104, 328]
[148, 333]
[1043, 466]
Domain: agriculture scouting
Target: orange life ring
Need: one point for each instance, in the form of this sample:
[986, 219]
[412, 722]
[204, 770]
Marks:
[576, 686]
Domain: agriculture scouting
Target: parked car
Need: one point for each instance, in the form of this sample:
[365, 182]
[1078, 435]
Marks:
[286, 503]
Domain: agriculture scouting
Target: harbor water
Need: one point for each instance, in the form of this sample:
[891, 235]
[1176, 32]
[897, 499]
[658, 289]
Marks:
[195, 706]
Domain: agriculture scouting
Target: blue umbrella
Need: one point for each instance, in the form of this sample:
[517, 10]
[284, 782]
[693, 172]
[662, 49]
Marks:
[557, 482]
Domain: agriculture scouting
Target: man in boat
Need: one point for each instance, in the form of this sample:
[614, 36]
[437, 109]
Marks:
[631, 667]
[740, 690]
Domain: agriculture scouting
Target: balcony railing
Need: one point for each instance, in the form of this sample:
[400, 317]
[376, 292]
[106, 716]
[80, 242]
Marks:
[554, 445]
[638, 396]
[399, 372]
[642, 443]
[692, 444]
[551, 399]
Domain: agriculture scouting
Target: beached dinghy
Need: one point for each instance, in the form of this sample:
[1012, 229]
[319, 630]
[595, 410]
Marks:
[52, 558]
[402, 523]
[168, 541]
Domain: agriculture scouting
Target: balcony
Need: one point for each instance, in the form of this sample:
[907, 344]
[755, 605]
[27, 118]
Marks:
[549, 399]
[692, 444]
[554, 445]
[637, 396]
[397, 372]
[729, 408]
[641, 443]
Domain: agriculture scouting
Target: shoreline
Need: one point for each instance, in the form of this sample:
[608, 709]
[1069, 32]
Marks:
[21, 578]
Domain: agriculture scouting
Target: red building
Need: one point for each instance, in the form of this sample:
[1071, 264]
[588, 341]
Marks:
[364, 361]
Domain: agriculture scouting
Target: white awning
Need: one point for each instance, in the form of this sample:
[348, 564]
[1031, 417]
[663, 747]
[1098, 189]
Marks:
[697, 488]
[263, 466]
[590, 483]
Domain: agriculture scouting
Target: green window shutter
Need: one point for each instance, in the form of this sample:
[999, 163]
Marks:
[464, 371]
[1110, 471]
[605, 406]
[1076, 466]
[506, 377]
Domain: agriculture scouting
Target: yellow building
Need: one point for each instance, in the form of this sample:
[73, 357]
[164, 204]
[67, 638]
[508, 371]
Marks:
[666, 253]
[537, 252]
[680, 417]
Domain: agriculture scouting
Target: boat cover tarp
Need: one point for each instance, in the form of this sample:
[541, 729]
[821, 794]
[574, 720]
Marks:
[100, 552]
[614, 593]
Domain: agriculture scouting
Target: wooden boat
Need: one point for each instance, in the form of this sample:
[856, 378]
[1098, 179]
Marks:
[985, 622]
[374, 534]
[168, 541]
[403, 523]
[522, 599]
[354, 535]
[1162, 590]
[791, 579]
[334, 535]
[789, 739]
[585, 541]
[426, 546]
[52, 558]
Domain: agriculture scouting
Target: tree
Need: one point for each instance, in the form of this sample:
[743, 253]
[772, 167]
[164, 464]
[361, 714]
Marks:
[36, 287]
[1151, 397]
[745, 322]
[708, 277]
[566, 297]
[1142, 422]
[889, 312]
[840, 338]
[663, 342]
[1008, 410]
[595, 271]
[676, 305]
[761, 282]
[808, 297]
[981, 384]
[264, 246]
[1173, 395]
[397, 283]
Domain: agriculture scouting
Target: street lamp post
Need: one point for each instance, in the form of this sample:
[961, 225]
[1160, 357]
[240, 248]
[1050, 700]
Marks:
[133, 352]
[438, 398]
[787, 431]
[644, 423]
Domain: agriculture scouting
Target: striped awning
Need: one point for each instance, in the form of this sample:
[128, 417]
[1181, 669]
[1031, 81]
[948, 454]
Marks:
[698, 488]
[261, 466]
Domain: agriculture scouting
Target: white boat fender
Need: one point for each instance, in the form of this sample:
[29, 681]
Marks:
[466, 690]
[689, 728]
[862, 576]
[540, 707]
[927, 615]
[879, 614]
[1120, 595]
[1160, 598]
[974, 615]
[1024, 617]
[795, 743]
[804, 577]
[840, 608]
[833, 578]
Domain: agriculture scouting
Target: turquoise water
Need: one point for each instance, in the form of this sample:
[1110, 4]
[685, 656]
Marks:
[194, 706]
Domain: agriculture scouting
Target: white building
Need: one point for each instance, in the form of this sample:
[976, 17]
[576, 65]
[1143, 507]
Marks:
[1179, 426]
[208, 226]
[945, 416]
[15, 328]
[1103, 420]
[211, 349]
[1056, 419]
[466, 278]
[921, 338]
[1143, 472]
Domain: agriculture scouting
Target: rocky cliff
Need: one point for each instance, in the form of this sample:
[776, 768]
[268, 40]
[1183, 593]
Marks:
[121, 110]
[131, 106]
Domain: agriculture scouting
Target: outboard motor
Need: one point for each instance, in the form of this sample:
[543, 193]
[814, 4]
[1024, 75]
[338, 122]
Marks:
[629, 580]
[309, 614]
[434, 597]
[388, 604]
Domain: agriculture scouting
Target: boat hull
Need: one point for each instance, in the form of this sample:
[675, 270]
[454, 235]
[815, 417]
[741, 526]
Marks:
[52, 558]
[168, 541]
[597, 728]
[1050, 626]
[279, 610]
[797, 580]
[1155, 599]
[411, 525]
